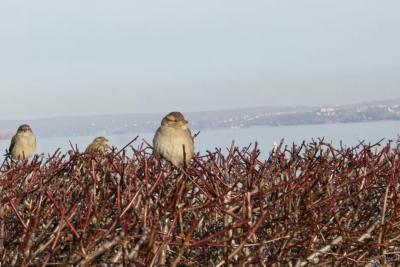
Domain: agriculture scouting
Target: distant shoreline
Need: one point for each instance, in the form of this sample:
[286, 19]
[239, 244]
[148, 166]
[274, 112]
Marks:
[8, 136]
[209, 120]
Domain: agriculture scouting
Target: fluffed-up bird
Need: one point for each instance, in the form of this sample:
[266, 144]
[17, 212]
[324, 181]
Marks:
[173, 140]
[99, 146]
[23, 143]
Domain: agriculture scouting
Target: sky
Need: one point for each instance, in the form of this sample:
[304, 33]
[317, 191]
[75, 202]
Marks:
[86, 57]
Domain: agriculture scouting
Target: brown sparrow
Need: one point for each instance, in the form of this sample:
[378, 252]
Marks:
[23, 143]
[99, 145]
[173, 140]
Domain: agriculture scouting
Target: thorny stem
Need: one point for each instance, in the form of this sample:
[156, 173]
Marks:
[311, 202]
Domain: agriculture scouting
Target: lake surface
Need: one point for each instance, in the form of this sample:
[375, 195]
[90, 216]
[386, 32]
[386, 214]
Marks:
[349, 133]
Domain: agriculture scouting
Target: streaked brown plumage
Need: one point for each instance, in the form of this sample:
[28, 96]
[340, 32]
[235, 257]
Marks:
[23, 143]
[171, 137]
[99, 145]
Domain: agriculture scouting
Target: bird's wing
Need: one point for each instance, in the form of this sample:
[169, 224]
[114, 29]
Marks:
[155, 138]
[190, 133]
[89, 148]
[12, 143]
[192, 143]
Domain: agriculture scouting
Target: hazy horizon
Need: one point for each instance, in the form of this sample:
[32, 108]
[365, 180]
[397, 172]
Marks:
[74, 58]
[192, 111]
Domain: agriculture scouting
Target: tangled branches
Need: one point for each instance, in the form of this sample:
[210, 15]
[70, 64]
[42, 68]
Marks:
[308, 204]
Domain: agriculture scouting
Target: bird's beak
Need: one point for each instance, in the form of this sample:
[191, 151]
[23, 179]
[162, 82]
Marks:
[186, 122]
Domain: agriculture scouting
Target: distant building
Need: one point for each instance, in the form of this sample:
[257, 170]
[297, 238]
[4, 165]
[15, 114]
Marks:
[394, 109]
[326, 111]
[6, 134]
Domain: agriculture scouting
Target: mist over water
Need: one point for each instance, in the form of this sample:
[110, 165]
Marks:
[349, 133]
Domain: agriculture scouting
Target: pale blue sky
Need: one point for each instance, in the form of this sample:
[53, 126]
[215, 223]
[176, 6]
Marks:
[79, 57]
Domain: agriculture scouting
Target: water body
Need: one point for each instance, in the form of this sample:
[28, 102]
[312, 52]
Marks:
[349, 133]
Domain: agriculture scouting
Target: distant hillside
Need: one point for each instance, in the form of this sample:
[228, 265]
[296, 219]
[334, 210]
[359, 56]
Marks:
[234, 118]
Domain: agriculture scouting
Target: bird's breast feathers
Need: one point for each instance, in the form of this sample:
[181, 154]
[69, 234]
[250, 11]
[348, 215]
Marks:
[23, 144]
[27, 139]
[169, 142]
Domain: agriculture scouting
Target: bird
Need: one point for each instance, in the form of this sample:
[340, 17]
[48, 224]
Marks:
[23, 143]
[173, 140]
[99, 145]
